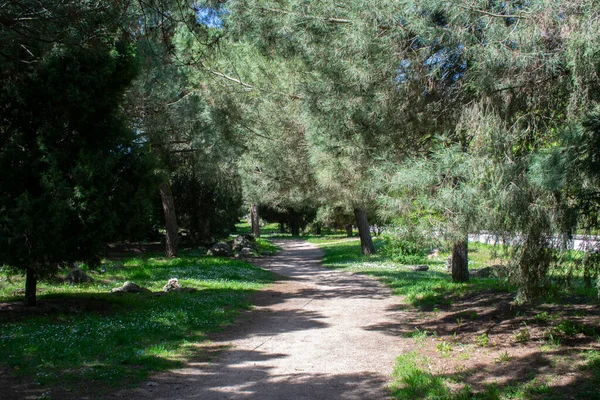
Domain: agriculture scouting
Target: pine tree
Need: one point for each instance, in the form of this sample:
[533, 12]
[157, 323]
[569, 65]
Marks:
[63, 138]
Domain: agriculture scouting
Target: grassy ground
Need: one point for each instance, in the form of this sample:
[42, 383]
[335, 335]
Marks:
[471, 340]
[83, 337]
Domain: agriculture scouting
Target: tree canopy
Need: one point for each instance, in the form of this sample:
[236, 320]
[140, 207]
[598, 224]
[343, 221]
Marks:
[456, 116]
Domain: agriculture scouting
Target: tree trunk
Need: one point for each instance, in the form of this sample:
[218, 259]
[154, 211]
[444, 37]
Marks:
[168, 204]
[255, 219]
[318, 228]
[281, 227]
[349, 230]
[31, 288]
[460, 261]
[294, 223]
[364, 231]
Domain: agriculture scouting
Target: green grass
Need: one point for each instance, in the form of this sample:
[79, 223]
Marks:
[243, 228]
[425, 289]
[129, 335]
[411, 381]
[266, 247]
[429, 291]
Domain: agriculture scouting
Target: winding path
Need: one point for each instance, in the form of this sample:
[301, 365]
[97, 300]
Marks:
[315, 334]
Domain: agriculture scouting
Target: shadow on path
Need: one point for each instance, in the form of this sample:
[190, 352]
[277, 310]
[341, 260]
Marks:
[310, 336]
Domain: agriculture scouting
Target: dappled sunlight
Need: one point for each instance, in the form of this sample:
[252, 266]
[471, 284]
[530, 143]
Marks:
[121, 338]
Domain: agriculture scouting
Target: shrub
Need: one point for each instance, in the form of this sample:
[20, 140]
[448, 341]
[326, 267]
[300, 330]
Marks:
[406, 249]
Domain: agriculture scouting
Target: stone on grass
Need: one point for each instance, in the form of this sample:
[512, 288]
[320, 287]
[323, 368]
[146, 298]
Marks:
[419, 268]
[499, 271]
[485, 272]
[220, 249]
[435, 253]
[130, 287]
[449, 264]
[172, 286]
[76, 275]
[242, 242]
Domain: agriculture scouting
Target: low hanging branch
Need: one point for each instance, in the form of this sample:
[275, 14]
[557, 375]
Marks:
[331, 20]
[248, 87]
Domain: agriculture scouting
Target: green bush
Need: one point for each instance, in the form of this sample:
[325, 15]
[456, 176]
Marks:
[407, 251]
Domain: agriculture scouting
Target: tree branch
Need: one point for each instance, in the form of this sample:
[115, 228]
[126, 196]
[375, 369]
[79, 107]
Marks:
[248, 87]
[330, 19]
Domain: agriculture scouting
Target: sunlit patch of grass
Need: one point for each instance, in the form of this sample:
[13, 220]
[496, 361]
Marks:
[265, 247]
[411, 381]
[133, 334]
[425, 289]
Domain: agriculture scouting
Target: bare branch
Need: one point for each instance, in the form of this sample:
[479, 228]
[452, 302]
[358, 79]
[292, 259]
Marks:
[330, 19]
[248, 87]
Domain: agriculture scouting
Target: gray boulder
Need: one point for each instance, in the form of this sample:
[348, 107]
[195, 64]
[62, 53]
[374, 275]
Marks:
[419, 268]
[130, 287]
[493, 271]
[449, 264]
[172, 286]
[499, 271]
[242, 242]
[76, 275]
[244, 252]
[485, 272]
[220, 249]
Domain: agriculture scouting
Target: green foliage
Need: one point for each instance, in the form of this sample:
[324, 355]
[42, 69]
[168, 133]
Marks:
[405, 250]
[412, 382]
[482, 340]
[522, 336]
[424, 289]
[265, 247]
[65, 148]
[444, 348]
[112, 340]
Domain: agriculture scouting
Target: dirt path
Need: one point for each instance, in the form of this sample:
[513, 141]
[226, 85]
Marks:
[315, 335]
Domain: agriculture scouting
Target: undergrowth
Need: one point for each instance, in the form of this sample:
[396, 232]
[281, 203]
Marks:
[116, 339]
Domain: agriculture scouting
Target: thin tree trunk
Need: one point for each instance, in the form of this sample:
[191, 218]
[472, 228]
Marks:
[349, 230]
[255, 219]
[460, 261]
[294, 223]
[31, 288]
[364, 231]
[281, 227]
[318, 228]
[171, 226]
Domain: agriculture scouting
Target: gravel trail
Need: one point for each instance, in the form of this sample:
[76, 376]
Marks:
[314, 334]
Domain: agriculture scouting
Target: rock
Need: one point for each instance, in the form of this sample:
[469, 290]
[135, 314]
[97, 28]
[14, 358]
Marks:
[250, 237]
[481, 273]
[77, 275]
[419, 268]
[242, 242]
[435, 253]
[493, 271]
[220, 249]
[172, 286]
[130, 287]
[244, 252]
[499, 271]
[449, 264]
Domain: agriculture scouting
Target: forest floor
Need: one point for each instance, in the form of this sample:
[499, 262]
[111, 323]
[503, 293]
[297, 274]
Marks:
[315, 334]
[323, 333]
[366, 330]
